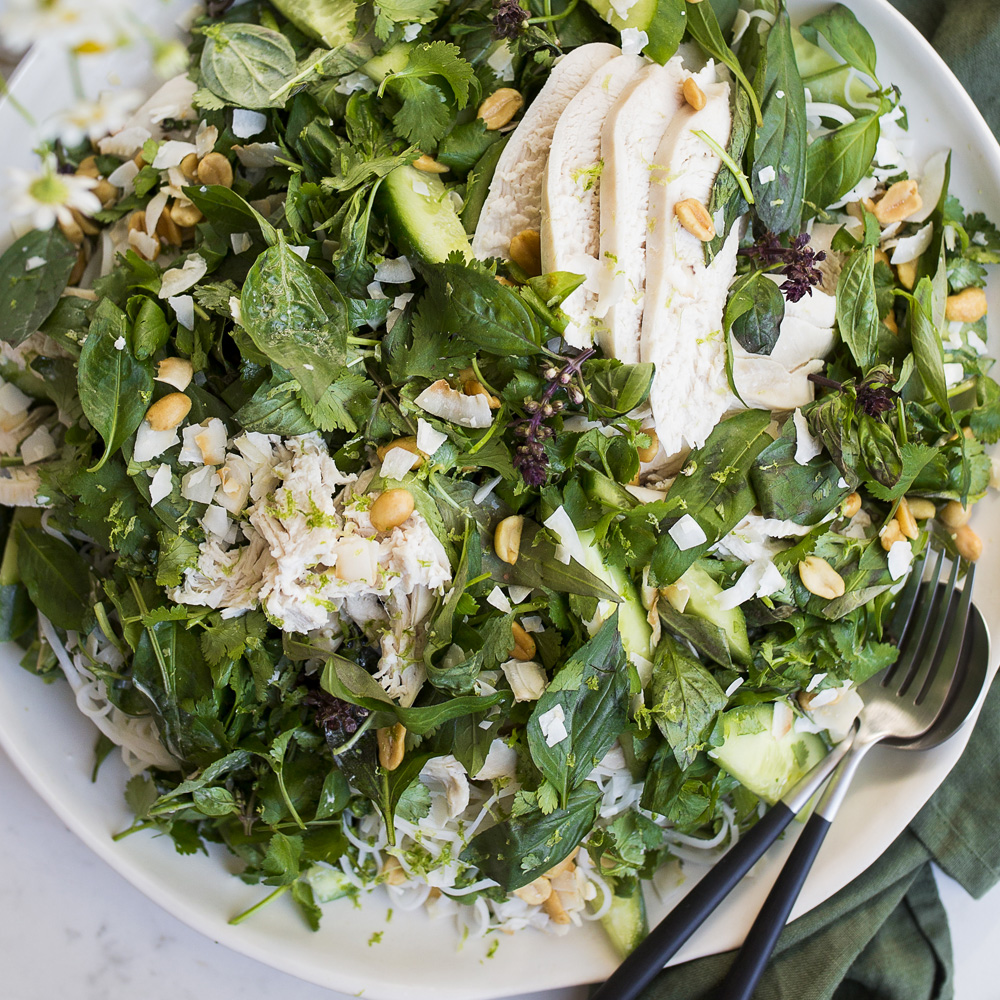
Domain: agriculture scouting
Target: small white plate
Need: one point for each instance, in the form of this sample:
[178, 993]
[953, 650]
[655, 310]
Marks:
[419, 959]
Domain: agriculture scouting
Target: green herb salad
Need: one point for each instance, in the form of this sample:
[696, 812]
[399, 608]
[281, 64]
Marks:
[472, 449]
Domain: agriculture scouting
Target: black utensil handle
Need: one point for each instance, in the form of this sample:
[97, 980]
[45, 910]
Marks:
[746, 970]
[665, 940]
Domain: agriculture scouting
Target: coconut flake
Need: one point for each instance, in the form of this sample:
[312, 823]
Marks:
[353, 82]
[687, 533]
[247, 123]
[301, 252]
[781, 720]
[240, 242]
[205, 139]
[526, 678]
[12, 400]
[397, 462]
[145, 245]
[172, 152]
[954, 372]
[150, 444]
[161, 484]
[374, 290]
[450, 404]
[734, 687]
[37, 446]
[900, 558]
[498, 599]
[501, 61]
[33, 263]
[183, 307]
[486, 489]
[930, 185]
[180, 279]
[768, 175]
[532, 623]
[553, 722]
[518, 594]
[257, 155]
[807, 447]
[570, 546]
[429, 438]
[199, 484]
[909, 248]
[500, 762]
[633, 42]
[394, 272]
[125, 143]
[216, 520]
[123, 176]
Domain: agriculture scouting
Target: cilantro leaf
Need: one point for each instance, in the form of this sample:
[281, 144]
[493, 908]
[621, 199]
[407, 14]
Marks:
[915, 457]
[442, 59]
[344, 405]
[227, 639]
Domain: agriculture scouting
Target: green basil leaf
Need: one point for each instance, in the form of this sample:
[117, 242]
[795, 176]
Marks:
[150, 329]
[614, 388]
[686, 698]
[56, 577]
[781, 141]
[754, 312]
[228, 212]
[708, 639]
[245, 64]
[836, 161]
[857, 308]
[846, 37]
[516, 852]
[115, 388]
[592, 690]
[928, 351]
[296, 316]
[29, 296]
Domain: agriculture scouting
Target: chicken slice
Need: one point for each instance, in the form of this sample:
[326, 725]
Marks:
[685, 298]
[631, 137]
[571, 215]
[515, 198]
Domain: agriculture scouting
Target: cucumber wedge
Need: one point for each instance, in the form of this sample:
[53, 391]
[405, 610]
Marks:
[421, 216]
[767, 765]
[625, 922]
[702, 603]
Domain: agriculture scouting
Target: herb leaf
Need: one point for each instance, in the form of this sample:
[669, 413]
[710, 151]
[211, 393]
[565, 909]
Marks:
[857, 308]
[57, 578]
[30, 296]
[115, 389]
[846, 36]
[245, 64]
[754, 312]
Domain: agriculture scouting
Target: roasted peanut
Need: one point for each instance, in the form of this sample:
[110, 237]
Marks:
[890, 321]
[535, 893]
[408, 444]
[954, 515]
[968, 543]
[391, 509]
[890, 535]
[969, 306]
[391, 746]
[185, 213]
[907, 522]
[820, 578]
[169, 412]
[554, 908]
[526, 251]
[651, 450]
[189, 166]
[507, 538]
[898, 203]
[907, 274]
[167, 230]
[88, 168]
[498, 109]
[565, 865]
[393, 872]
[694, 217]
[473, 387]
[72, 231]
[429, 165]
[693, 94]
[525, 646]
[852, 504]
[215, 169]
[107, 193]
[921, 508]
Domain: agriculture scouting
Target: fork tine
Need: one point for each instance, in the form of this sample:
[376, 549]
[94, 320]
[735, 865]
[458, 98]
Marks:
[907, 599]
[916, 621]
[952, 644]
[928, 656]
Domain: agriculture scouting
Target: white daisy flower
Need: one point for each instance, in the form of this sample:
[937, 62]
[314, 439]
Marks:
[84, 26]
[93, 120]
[46, 197]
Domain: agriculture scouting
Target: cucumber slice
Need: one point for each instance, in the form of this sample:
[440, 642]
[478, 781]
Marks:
[766, 765]
[663, 23]
[702, 603]
[392, 60]
[421, 216]
[625, 922]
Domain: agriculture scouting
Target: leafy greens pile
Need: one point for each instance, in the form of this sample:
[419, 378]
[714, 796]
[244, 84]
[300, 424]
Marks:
[291, 333]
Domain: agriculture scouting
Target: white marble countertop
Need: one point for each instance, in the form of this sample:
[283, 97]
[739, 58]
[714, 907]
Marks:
[71, 927]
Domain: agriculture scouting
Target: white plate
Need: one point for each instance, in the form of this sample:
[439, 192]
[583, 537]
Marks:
[418, 959]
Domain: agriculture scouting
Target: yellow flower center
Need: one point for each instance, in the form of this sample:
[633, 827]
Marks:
[50, 189]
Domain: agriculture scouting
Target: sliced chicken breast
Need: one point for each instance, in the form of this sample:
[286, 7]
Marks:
[571, 215]
[685, 298]
[514, 202]
[632, 134]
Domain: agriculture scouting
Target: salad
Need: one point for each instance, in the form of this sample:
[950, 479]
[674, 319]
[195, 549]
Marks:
[471, 451]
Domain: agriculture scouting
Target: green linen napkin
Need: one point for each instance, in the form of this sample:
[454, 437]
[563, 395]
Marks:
[885, 935]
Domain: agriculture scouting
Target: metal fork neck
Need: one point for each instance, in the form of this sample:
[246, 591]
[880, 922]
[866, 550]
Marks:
[836, 790]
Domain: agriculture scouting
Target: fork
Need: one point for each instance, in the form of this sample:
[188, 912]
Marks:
[902, 703]
[930, 678]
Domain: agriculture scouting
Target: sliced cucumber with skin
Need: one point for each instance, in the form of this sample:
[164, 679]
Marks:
[635, 630]
[765, 764]
[625, 922]
[421, 216]
[392, 60]
[702, 603]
